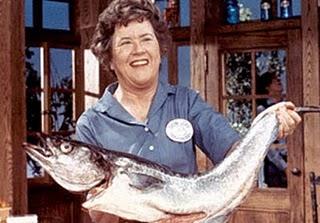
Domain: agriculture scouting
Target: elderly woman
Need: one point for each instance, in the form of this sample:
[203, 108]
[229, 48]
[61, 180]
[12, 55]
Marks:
[141, 115]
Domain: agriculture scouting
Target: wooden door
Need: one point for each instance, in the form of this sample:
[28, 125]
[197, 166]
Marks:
[245, 60]
[300, 39]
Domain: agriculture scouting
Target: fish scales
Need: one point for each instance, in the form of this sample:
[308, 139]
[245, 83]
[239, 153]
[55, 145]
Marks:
[140, 190]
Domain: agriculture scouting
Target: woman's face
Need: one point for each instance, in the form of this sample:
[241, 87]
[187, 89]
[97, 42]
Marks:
[275, 88]
[135, 55]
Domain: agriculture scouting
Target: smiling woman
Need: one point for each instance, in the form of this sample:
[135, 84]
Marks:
[140, 114]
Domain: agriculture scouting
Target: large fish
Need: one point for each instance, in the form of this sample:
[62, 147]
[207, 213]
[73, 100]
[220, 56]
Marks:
[137, 189]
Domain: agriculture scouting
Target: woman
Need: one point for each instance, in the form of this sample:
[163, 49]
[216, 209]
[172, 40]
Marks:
[273, 171]
[141, 115]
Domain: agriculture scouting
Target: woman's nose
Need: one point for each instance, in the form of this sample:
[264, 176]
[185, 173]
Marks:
[138, 47]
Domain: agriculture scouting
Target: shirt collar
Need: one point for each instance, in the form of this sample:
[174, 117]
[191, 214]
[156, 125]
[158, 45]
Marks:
[107, 100]
[107, 103]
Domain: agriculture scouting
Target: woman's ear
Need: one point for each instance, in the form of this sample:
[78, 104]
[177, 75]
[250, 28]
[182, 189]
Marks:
[111, 66]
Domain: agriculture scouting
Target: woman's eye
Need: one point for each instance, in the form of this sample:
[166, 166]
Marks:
[66, 147]
[147, 39]
[125, 43]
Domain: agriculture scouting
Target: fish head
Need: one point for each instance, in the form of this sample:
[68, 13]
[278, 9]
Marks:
[71, 164]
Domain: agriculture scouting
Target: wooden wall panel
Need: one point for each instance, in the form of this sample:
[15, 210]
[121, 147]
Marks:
[197, 46]
[172, 64]
[295, 141]
[250, 40]
[260, 217]
[311, 95]
[12, 106]
[89, 11]
[213, 77]
[53, 204]
[79, 82]
[198, 64]
[213, 22]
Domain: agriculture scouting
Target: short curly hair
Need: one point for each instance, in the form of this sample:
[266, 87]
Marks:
[122, 12]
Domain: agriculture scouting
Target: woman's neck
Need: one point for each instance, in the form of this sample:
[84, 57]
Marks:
[136, 102]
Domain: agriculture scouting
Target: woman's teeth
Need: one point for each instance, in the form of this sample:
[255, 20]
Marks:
[139, 63]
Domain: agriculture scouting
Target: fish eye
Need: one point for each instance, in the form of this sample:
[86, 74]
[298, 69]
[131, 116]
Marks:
[66, 147]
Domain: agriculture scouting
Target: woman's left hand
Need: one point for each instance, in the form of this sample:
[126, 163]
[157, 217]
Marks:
[288, 118]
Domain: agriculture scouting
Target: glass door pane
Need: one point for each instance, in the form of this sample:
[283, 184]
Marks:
[252, 81]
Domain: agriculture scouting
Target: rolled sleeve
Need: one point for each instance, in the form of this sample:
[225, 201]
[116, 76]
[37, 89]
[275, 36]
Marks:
[213, 133]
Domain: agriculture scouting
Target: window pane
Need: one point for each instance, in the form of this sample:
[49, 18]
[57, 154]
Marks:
[271, 88]
[28, 13]
[56, 15]
[239, 114]
[33, 168]
[91, 79]
[164, 70]
[33, 91]
[33, 67]
[238, 73]
[61, 68]
[33, 102]
[296, 8]
[61, 108]
[254, 7]
[184, 66]
[271, 73]
[185, 13]
[162, 5]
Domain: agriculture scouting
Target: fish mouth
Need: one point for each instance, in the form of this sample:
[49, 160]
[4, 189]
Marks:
[42, 150]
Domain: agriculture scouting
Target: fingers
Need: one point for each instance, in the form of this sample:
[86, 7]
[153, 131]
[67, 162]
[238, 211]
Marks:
[94, 191]
[288, 118]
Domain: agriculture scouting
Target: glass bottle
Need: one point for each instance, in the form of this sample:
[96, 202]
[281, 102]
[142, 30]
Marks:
[285, 8]
[232, 11]
[265, 10]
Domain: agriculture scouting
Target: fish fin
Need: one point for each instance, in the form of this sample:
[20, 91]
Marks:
[142, 181]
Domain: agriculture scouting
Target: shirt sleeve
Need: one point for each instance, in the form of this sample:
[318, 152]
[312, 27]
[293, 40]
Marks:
[84, 131]
[213, 133]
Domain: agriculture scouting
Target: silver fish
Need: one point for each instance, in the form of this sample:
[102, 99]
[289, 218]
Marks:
[138, 189]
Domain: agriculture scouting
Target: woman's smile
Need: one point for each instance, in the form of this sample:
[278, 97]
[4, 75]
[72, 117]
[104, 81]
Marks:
[139, 62]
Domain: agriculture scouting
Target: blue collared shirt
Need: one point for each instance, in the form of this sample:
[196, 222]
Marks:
[107, 124]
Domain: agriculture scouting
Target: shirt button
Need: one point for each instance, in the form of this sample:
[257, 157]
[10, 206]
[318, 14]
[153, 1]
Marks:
[151, 148]
[146, 129]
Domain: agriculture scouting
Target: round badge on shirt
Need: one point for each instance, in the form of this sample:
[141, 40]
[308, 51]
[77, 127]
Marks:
[179, 130]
